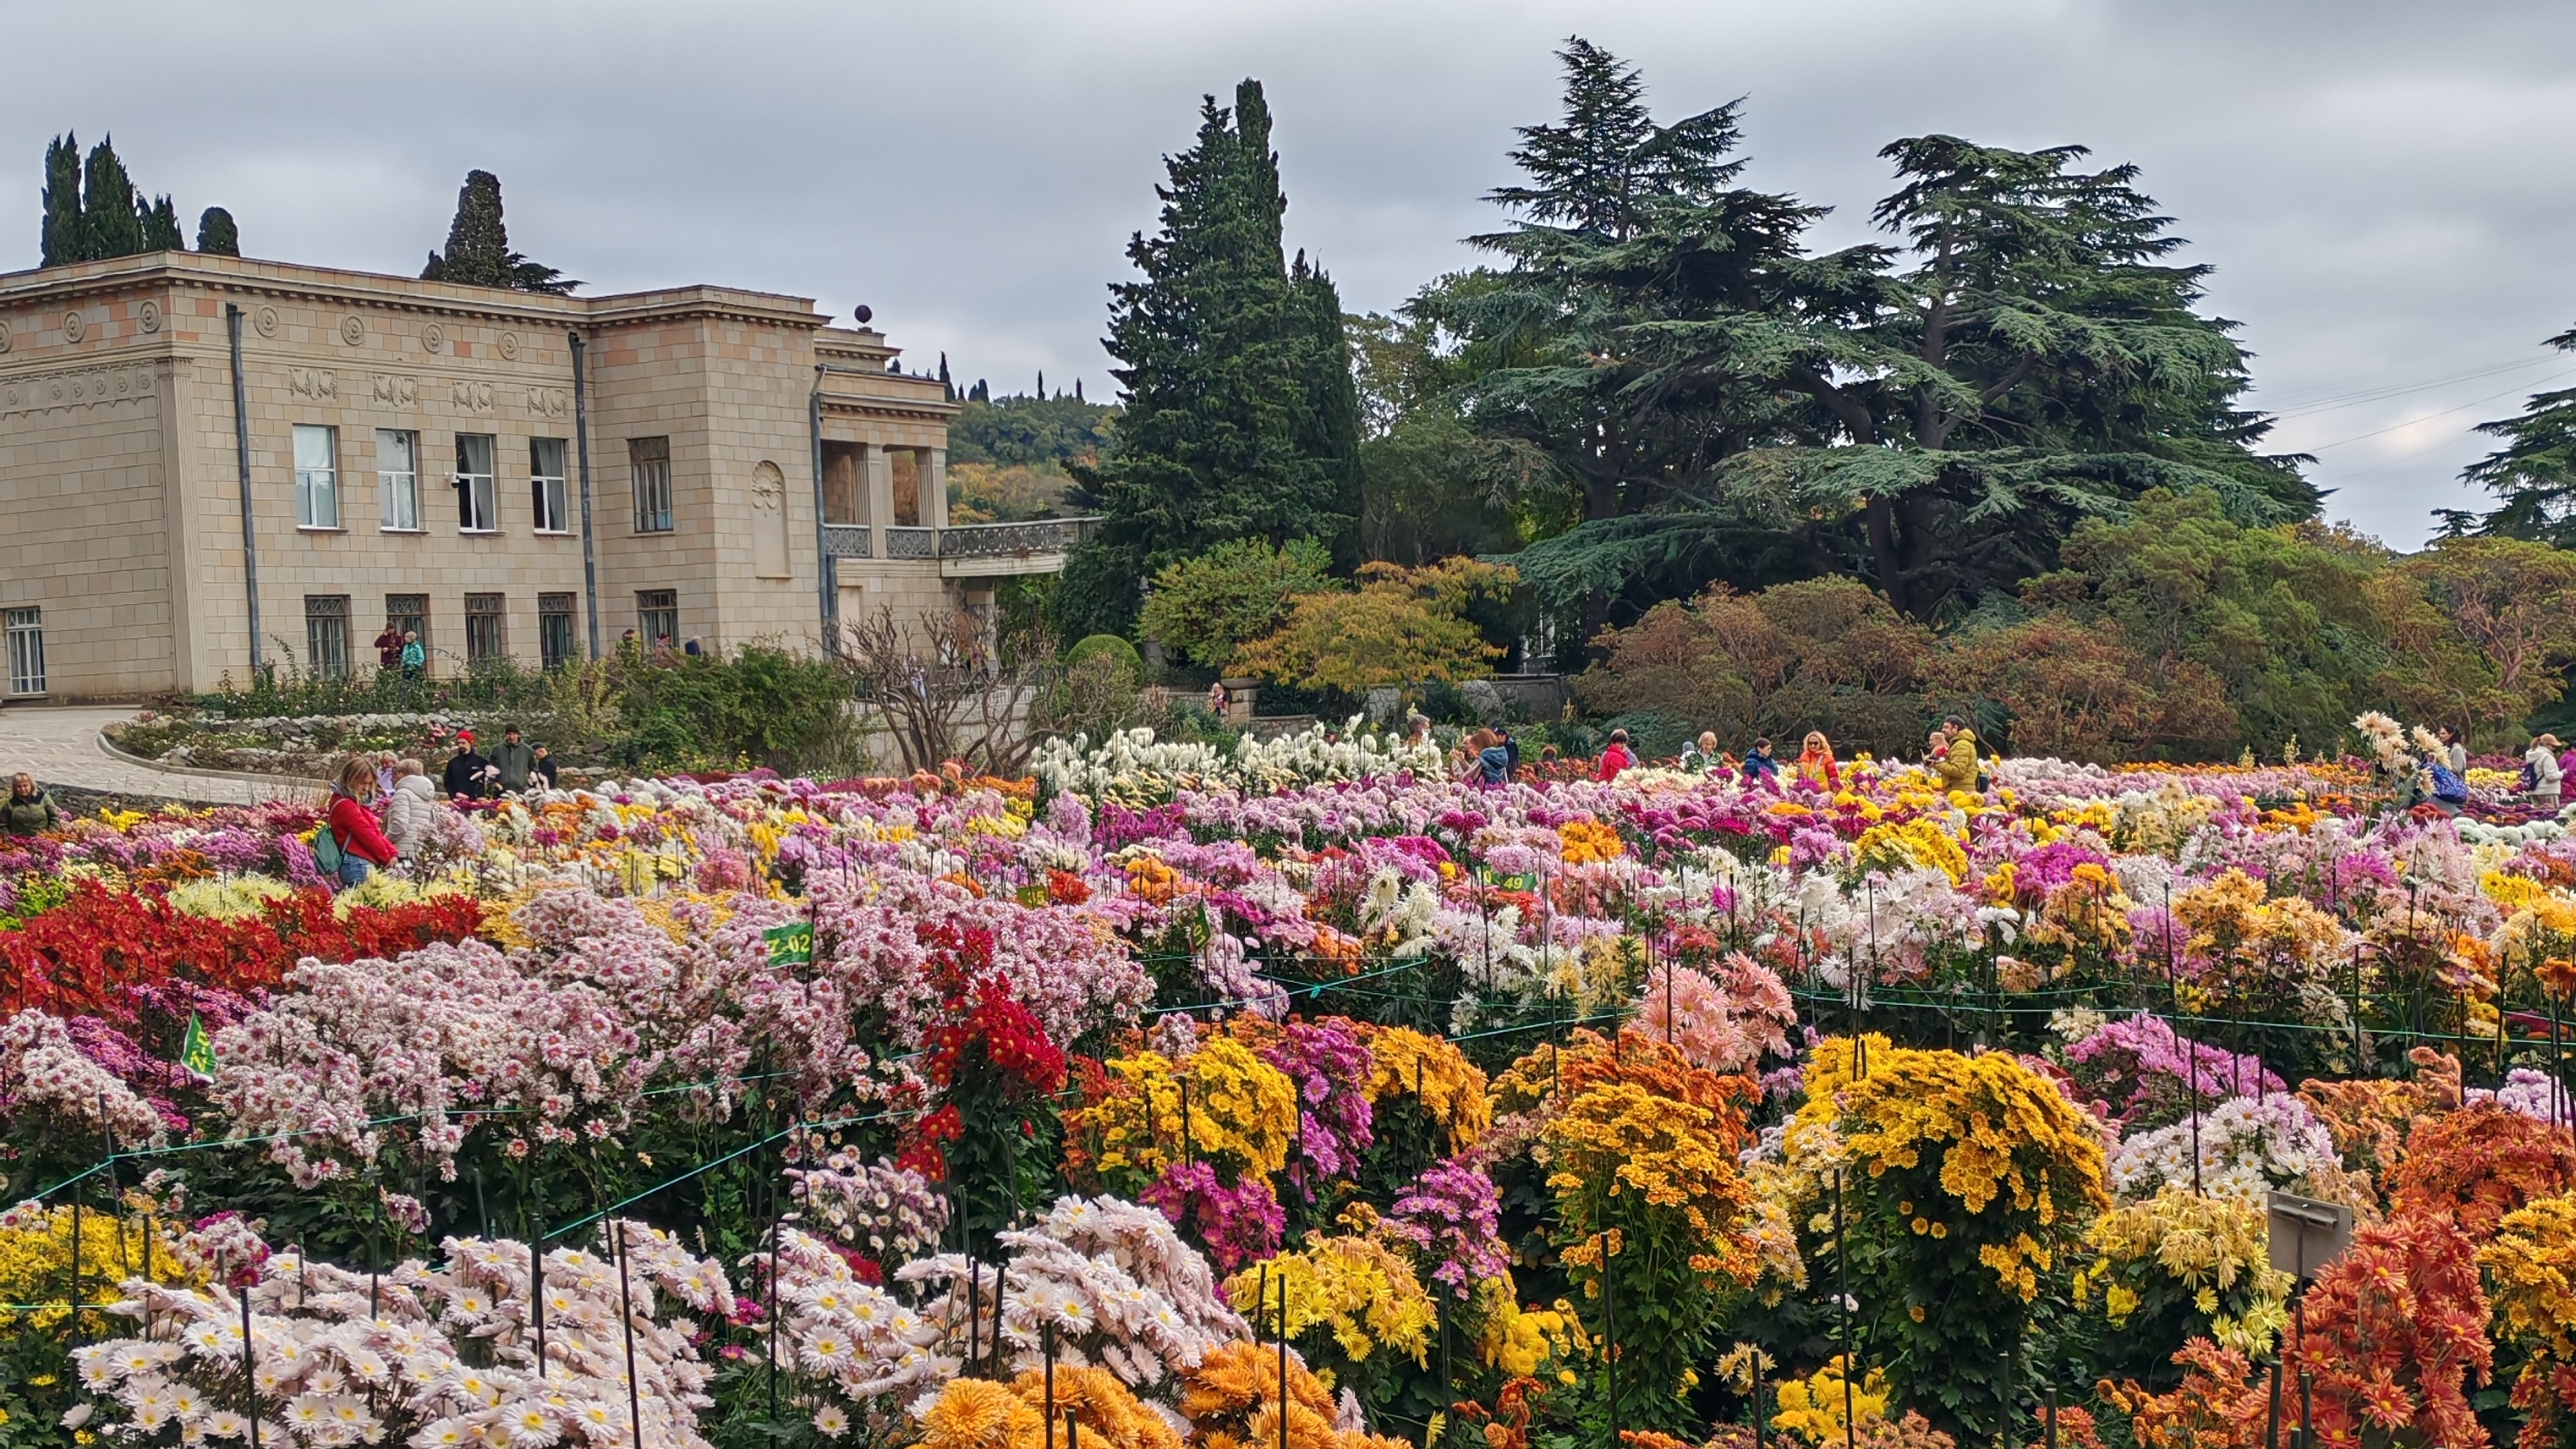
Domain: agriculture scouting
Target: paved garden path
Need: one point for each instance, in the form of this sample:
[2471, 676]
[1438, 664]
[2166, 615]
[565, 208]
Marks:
[59, 745]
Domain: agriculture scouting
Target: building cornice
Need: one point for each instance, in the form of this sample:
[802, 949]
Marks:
[939, 412]
[197, 271]
[919, 397]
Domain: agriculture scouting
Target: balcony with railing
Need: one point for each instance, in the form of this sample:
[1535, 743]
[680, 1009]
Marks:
[1032, 546]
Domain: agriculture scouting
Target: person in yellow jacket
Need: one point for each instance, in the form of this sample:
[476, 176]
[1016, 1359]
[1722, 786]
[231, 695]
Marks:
[1958, 764]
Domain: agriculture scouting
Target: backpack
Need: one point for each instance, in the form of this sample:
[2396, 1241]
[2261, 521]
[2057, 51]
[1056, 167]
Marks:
[1493, 764]
[2447, 786]
[326, 848]
[2530, 780]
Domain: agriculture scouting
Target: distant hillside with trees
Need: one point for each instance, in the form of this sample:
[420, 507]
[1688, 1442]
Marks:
[1008, 457]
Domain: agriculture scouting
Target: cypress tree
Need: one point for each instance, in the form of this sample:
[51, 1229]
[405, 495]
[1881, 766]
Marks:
[216, 234]
[1241, 419]
[478, 244]
[63, 237]
[111, 215]
[1328, 427]
[161, 228]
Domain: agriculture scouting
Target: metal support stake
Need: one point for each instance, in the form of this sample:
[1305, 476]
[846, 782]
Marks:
[250, 1381]
[626, 1301]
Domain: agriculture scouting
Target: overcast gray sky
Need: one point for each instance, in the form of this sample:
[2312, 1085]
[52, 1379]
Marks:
[2384, 188]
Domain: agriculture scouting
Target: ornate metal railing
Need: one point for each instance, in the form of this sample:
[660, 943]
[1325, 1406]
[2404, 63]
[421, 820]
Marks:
[1006, 540]
[968, 541]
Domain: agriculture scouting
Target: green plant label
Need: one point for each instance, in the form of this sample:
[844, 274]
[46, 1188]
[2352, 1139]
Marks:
[791, 944]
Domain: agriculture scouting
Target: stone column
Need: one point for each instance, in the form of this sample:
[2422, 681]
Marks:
[933, 472]
[877, 476]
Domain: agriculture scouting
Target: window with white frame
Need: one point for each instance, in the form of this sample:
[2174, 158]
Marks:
[546, 484]
[651, 460]
[477, 505]
[398, 479]
[317, 476]
[26, 650]
[326, 635]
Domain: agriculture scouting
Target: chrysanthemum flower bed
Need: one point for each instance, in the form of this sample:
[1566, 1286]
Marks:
[1533, 1115]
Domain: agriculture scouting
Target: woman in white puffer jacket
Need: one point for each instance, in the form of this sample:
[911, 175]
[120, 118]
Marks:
[407, 810]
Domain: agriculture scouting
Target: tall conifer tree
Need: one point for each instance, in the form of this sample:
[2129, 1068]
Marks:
[64, 241]
[2534, 474]
[478, 243]
[111, 214]
[161, 227]
[1241, 418]
[478, 246]
[216, 233]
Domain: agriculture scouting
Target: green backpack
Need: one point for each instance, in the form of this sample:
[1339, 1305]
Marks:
[326, 848]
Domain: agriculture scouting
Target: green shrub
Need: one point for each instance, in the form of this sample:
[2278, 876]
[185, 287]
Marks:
[1110, 644]
[765, 706]
[761, 705]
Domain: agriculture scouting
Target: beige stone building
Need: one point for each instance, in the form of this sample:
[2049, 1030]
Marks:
[509, 474]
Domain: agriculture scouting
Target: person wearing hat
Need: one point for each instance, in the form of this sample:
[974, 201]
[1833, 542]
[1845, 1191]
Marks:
[2541, 774]
[468, 775]
[513, 759]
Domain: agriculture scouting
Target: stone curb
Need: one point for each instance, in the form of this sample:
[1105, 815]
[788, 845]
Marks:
[244, 776]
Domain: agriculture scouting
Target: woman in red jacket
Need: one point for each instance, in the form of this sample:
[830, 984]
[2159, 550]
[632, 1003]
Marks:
[363, 847]
[1616, 758]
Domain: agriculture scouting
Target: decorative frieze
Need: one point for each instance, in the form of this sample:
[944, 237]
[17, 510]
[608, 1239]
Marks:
[86, 388]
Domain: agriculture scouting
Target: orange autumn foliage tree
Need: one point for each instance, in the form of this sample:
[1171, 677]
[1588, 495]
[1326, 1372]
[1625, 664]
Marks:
[1401, 627]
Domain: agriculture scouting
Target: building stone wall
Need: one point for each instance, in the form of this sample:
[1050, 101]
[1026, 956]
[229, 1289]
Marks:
[120, 482]
[88, 539]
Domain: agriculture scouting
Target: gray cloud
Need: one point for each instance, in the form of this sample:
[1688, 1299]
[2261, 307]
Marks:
[2380, 185]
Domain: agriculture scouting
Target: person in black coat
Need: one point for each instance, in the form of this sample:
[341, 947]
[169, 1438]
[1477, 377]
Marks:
[468, 775]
